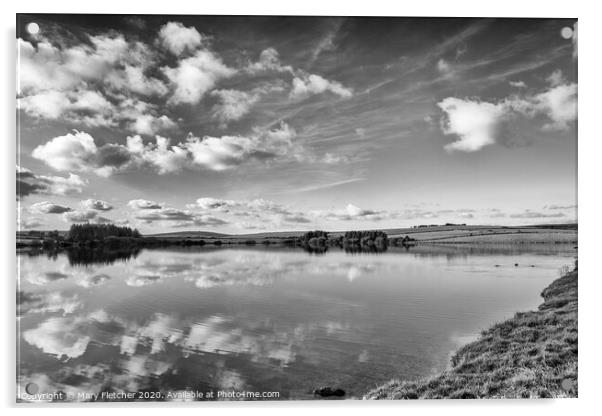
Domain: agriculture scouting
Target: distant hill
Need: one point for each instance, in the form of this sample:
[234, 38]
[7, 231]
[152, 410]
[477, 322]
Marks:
[421, 233]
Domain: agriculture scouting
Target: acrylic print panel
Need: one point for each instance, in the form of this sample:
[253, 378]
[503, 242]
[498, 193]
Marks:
[295, 208]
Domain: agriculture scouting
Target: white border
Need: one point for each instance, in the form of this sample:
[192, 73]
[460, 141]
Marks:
[590, 152]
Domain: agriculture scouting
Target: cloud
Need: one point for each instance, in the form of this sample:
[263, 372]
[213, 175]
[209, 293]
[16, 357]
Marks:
[215, 153]
[73, 151]
[556, 78]
[327, 43]
[233, 104]
[150, 124]
[144, 204]
[195, 76]
[165, 214]
[559, 104]
[321, 186]
[177, 38]
[247, 206]
[208, 203]
[104, 61]
[475, 122]
[29, 223]
[78, 216]
[74, 105]
[518, 84]
[315, 84]
[29, 183]
[96, 204]
[94, 83]
[353, 212]
[554, 207]
[150, 212]
[533, 214]
[296, 218]
[202, 221]
[444, 67]
[134, 79]
[90, 108]
[46, 207]
[269, 60]
[480, 123]
[303, 84]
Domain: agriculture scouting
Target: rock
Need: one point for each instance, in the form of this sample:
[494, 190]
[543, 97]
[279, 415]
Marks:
[515, 264]
[329, 392]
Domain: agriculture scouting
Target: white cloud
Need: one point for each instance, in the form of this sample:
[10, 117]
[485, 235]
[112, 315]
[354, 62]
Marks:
[196, 75]
[481, 123]
[214, 203]
[47, 207]
[149, 124]
[72, 151]
[144, 204]
[233, 104]
[315, 84]
[133, 78]
[559, 104]
[166, 158]
[90, 84]
[104, 61]
[96, 204]
[77, 216]
[178, 38]
[474, 122]
[81, 106]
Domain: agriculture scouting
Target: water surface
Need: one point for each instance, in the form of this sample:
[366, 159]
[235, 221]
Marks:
[263, 319]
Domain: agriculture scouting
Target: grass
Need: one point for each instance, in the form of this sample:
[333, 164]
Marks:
[533, 355]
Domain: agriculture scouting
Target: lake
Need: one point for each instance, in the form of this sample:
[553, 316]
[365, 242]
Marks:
[281, 320]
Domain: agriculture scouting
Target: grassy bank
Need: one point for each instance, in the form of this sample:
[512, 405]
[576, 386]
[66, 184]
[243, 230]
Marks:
[533, 355]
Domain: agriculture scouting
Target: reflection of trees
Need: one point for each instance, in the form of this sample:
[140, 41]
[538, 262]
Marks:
[88, 256]
[317, 249]
[364, 249]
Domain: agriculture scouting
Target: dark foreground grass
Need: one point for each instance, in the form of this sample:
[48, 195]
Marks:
[533, 355]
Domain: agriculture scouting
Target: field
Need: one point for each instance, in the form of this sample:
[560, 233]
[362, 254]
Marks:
[440, 234]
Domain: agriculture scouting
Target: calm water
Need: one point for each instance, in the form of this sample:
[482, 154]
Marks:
[257, 320]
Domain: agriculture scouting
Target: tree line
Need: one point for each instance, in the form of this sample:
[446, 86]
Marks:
[89, 232]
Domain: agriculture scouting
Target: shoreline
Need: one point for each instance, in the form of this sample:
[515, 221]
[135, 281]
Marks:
[532, 355]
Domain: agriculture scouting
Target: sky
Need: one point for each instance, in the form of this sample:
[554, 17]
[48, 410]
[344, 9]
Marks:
[243, 124]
